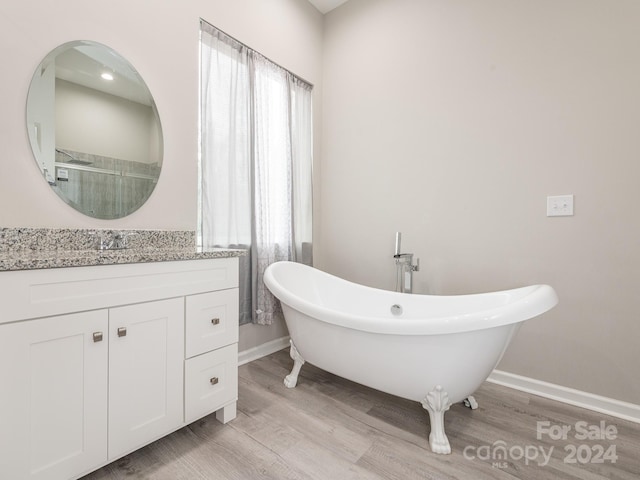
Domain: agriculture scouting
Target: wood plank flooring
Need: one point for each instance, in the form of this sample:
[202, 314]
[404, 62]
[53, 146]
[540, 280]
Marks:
[330, 428]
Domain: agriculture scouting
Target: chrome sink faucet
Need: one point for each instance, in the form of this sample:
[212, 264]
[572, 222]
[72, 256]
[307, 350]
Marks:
[111, 240]
[121, 239]
[101, 240]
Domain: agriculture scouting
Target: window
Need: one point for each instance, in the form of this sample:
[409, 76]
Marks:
[255, 163]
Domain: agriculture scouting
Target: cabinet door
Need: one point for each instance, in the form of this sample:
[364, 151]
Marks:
[53, 409]
[146, 355]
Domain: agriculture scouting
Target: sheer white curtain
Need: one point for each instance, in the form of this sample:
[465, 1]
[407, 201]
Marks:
[256, 156]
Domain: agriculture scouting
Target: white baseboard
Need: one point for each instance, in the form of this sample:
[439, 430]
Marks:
[263, 350]
[578, 398]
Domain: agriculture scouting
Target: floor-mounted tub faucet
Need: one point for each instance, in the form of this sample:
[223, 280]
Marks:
[404, 267]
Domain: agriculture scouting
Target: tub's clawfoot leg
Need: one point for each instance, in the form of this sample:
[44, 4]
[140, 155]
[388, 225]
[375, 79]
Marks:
[470, 402]
[436, 403]
[291, 380]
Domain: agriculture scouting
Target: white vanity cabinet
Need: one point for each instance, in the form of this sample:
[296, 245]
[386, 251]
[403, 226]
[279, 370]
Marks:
[93, 361]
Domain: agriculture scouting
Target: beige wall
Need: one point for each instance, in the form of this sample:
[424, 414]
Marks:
[451, 121]
[160, 39]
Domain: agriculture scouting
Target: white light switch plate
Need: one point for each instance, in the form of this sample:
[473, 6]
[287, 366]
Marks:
[560, 206]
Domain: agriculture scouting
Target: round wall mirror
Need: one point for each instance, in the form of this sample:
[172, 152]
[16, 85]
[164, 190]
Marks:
[94, 129]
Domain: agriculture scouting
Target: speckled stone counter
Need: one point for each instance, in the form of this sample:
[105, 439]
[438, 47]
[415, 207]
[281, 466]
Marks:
[37, 248]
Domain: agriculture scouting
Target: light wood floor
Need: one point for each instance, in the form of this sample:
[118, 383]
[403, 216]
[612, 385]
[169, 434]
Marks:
[330, 428]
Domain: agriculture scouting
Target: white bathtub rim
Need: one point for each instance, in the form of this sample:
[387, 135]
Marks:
[539, 299]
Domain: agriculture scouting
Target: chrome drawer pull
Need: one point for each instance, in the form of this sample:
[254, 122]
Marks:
[215, 321]
[97, 336]
[122, 332]
[214, 380]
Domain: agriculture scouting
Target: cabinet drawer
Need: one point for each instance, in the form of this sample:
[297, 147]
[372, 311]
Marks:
[212, 321]
[211, 381]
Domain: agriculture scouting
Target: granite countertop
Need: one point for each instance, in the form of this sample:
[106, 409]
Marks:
[33, 260]
[31, 249]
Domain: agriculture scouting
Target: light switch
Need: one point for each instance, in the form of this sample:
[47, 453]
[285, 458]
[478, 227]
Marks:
[560, 206]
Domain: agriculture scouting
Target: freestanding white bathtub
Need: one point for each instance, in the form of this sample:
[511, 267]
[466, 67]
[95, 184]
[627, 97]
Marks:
[436, 350]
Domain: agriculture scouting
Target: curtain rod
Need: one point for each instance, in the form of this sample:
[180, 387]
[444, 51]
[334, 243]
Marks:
[207, 26]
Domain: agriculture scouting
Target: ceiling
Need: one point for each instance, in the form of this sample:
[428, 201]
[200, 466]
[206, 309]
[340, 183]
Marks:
[84, 62]
[325, 6]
